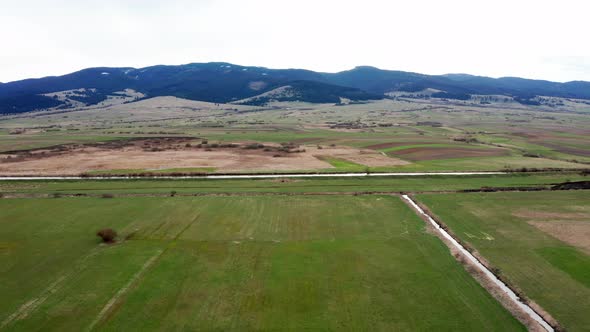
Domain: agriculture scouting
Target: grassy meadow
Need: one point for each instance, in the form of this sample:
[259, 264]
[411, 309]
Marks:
[435, 183]
[233, 263]
[538, 240]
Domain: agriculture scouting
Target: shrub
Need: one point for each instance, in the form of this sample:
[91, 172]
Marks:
[107, 235]
[107, 196]
[531, 155]
[254, 146]
[496, 271]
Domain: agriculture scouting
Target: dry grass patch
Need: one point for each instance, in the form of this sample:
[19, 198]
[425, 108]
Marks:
[574, 233]
[359, 156]
[433, 153]
[182, 152]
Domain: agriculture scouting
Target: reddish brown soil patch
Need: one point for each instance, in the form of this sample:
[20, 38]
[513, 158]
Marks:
[555, 142]
[567, 149]
[432, 153]
[307, 140]
[394, 144]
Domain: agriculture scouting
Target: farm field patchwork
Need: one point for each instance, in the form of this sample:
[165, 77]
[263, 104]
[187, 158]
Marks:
[538, 240]
[388, 135]
[290, 253]
[233, 263]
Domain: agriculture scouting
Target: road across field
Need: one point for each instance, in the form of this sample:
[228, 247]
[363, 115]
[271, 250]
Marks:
[246, 176]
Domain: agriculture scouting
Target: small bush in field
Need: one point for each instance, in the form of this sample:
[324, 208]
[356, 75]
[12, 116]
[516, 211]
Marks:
[107, 235]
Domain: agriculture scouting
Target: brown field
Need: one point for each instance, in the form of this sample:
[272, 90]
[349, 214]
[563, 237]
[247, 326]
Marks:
[361, 156]
[307, 140]
[395, 144]
[567, 149]
[432, 153]
[167, 153]
[575, 233]
[572, 228]
[559, 143]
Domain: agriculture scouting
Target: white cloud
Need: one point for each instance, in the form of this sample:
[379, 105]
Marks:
[536, 39]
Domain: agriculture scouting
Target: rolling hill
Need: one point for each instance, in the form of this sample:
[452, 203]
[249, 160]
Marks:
[224, 82]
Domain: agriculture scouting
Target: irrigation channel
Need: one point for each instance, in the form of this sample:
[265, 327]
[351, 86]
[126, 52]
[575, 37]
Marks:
[244, 176]
[509, 292]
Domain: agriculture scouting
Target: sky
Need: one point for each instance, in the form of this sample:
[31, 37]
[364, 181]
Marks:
[525, 38]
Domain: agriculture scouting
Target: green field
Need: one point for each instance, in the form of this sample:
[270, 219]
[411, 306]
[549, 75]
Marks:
[298, 185]
[233, 263]
[506, 228]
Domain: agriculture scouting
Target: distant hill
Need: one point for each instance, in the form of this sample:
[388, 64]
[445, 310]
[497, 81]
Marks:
[310, 91]
[224, 82]
[382, 81]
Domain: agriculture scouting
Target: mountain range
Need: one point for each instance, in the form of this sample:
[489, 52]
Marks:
[224, 83]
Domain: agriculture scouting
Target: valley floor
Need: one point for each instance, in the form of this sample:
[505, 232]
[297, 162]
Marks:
[316, 253]
[171, 135]
[244, 263]
[293, 252]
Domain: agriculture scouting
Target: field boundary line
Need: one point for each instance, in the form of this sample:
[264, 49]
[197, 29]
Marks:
[28, 307]
[480, 266]
[253, 176]
[124, 290]
[74, 194]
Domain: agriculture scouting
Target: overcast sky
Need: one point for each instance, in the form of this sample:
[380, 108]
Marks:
[527, 38]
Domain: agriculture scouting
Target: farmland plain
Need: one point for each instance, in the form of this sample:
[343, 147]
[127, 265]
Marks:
[291, 253]
[234, 263]
[431, 183]
[538, 240]
[388, 135]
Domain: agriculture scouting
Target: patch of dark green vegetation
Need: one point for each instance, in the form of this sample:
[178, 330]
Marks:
[569, 260]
